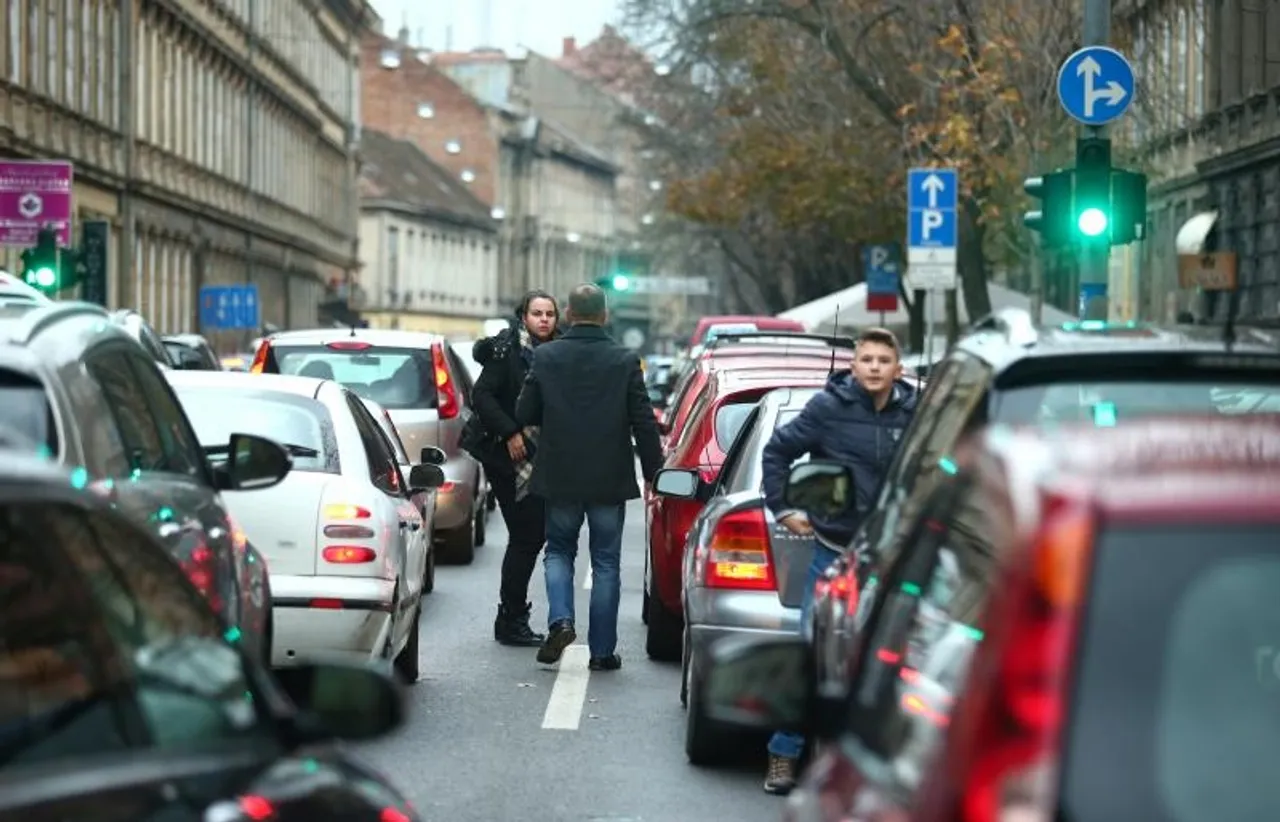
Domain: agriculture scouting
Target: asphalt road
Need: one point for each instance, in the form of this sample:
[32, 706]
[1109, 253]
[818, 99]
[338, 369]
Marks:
[495, 736]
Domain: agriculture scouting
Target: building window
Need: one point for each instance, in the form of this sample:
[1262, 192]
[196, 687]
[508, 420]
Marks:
[53, 71]
[14, 24]
[35, 77]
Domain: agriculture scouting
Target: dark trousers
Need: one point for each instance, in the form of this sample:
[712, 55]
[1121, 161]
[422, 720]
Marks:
[526, 521]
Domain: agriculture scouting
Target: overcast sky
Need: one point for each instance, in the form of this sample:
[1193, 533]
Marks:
[540, 25]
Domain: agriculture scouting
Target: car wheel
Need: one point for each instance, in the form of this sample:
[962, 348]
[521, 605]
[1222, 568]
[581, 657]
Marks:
[481, 521]
[429, 576]
[664, 638]
[460, 545]
[406, 662]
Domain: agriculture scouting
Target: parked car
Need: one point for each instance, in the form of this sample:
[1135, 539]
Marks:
[90, 397]
[137, 327]
[14, 288]
[345, 543]
[742, 572]
[723, 406]
[116, 670]
[1109, 579]
[421, 381]
[191, 352]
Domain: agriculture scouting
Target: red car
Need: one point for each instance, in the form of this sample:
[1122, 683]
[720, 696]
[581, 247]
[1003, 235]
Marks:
[1116, 589]
[717, 412]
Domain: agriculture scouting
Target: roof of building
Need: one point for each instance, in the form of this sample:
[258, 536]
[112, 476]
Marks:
[397, 174]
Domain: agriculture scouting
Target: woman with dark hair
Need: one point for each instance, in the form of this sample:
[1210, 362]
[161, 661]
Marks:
[507, 452]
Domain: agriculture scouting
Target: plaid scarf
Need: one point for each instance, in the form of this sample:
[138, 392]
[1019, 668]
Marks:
[524, 468]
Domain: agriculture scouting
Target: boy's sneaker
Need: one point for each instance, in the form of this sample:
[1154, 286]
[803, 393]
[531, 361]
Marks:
[781, 776]
[612, 662]
[561, 636]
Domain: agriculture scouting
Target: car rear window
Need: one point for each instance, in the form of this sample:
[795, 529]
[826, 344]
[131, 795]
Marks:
[299, 423]
[1177, 698]
[729, 420]
[1108, 403]
[395, 378]
[25, 414]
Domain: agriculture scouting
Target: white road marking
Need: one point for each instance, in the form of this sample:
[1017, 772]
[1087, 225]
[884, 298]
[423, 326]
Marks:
[586, 583]
[569, 693]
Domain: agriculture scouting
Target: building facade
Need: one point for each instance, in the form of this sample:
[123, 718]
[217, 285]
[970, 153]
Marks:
[428, 245]
[1210, 138]
[217, 137]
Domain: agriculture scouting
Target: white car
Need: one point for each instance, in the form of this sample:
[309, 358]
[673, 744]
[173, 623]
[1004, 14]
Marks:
[344, 543]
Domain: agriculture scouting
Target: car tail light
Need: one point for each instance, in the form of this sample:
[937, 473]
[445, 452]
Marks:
[349, 345]
[348, 554]
[342, 510]
[737, 555]
[260, 358]
[1008, 726]
[200, 566]
[348, 532]
[446, 391]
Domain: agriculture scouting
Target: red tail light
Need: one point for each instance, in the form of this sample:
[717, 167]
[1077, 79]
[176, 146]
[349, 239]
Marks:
[260, 358]
[342, 510]
[446, 391]
[738, 554]
[348, 554]
[1008, 729]
[200, 566]
[349, 345]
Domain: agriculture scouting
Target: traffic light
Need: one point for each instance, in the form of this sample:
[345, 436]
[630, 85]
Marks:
[1052, 219]
[1091, 212]
[1128, 206]
[47, 267]
[615, 282]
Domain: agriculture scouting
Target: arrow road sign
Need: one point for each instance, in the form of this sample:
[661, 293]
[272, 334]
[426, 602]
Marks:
[932, 235]
[1095, 85]
[229, 307]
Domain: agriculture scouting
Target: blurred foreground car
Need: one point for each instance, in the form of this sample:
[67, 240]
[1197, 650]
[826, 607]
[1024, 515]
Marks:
[1118, 589]
[122, 696]
[344, 541]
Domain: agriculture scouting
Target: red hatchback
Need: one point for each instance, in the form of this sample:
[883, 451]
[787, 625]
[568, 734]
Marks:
[716, 414]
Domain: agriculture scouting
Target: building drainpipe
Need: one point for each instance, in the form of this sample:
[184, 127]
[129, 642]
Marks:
[127, 126]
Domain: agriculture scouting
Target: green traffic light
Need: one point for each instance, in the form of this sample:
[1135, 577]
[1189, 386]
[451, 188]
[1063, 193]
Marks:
[1092, 222]
[621, 282]
[44, 277]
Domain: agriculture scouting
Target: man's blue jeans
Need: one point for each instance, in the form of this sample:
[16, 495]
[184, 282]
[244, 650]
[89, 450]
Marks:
[604, 542]
[785, 743]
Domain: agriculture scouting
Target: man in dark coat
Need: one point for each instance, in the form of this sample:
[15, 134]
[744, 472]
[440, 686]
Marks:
[505, 449]
[857, 420]
[587, 394]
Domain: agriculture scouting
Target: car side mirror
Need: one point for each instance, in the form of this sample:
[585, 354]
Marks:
[347, 701]
[432, 456]
[424, 477]
[761, 685]
[677, 482]
[820, 487]
[254, 463]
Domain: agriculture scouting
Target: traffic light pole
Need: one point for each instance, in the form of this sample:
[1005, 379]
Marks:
[1095, 259]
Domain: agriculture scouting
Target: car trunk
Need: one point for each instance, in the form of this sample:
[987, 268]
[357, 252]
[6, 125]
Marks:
[282, 522]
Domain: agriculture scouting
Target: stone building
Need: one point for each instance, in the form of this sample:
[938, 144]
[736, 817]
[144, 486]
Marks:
[1209, 134]
[428, 245]
[216, 136]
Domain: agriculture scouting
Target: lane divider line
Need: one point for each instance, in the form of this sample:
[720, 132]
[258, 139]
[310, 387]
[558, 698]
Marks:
[569, 693]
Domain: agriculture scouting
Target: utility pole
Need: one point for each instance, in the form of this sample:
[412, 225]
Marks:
[1095, 259]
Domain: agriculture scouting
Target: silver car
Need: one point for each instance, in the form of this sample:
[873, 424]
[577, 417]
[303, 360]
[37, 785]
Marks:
[427, 390]
[743, 572]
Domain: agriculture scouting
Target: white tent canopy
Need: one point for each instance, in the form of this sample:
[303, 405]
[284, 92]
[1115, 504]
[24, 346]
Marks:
[849, 307]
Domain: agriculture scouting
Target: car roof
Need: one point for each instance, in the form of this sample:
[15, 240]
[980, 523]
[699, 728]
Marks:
[373, 336]
[1009, 336]
[244, 381]
[785, 397]
[1178, 465]
[20, 321]
[728, 381]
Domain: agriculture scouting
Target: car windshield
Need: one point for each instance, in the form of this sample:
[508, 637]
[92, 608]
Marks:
[1177, 693]
[395, 378]
[25, 416]
[1108, 403]
[301, 424]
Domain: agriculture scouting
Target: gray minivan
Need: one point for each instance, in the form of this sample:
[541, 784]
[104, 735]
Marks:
[421, 382]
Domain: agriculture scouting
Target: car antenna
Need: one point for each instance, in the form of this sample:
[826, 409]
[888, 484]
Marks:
[353, 329]
[835, 334]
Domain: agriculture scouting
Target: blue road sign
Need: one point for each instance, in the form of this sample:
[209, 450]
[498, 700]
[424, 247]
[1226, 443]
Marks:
[880, 265]
[229, 307]
[932, 195]
[1095, 85]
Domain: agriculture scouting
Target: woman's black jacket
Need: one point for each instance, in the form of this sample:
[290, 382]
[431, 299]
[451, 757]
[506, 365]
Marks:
[494, 396]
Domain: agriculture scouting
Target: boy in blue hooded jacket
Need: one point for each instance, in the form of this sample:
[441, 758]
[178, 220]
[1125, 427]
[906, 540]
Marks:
[858, 420]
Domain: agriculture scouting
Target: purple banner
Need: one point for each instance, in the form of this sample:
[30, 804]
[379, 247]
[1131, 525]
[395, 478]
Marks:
[34, 194]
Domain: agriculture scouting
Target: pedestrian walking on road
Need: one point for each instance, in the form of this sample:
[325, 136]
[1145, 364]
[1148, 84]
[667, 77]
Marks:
[506, 450]
[858, 420]
[587, 395]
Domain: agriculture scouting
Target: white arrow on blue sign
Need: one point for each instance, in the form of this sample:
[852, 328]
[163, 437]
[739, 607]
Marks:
[932, 227]
[1095, 85]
